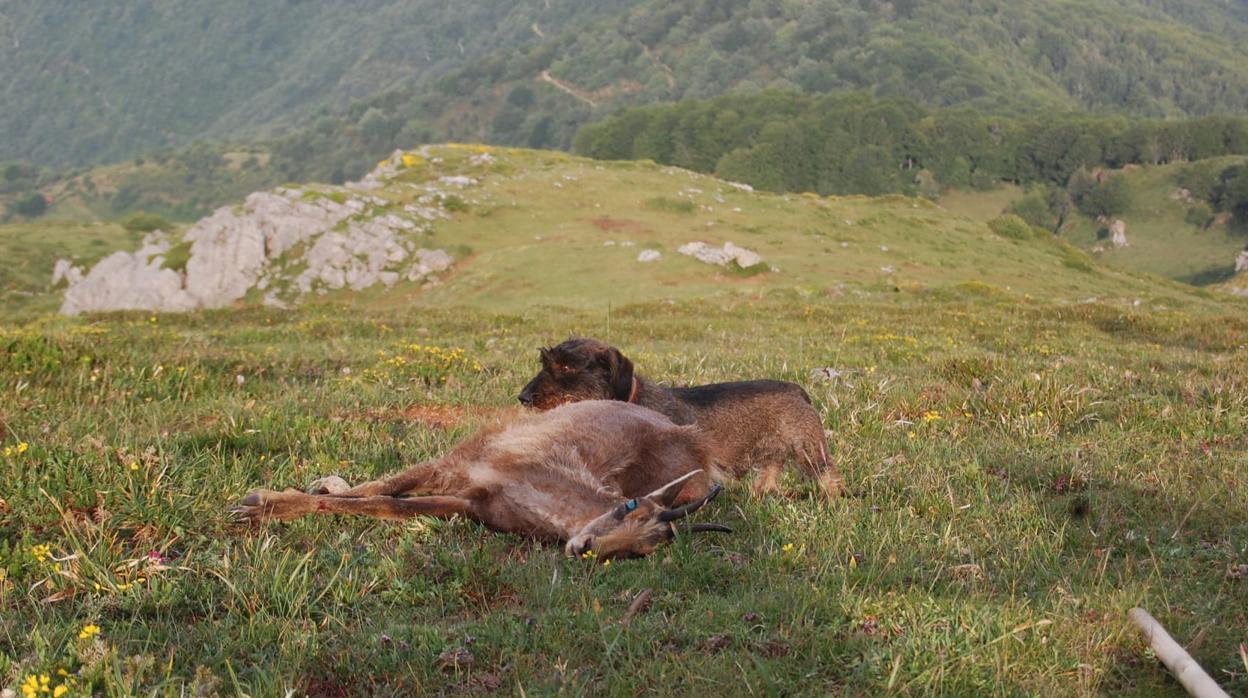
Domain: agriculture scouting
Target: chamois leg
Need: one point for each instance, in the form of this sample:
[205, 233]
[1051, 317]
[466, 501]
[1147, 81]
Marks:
[414, 479]
[292, 504]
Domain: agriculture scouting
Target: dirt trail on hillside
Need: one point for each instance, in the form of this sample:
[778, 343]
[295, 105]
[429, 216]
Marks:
[565, 87]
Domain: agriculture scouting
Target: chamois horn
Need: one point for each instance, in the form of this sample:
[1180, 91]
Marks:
[717, 528]
[683, 511]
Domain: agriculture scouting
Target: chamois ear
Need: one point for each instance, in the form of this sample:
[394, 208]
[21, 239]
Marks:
[666, 495]
[619, 373]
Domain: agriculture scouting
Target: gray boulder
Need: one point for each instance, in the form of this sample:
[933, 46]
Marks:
[721, 256]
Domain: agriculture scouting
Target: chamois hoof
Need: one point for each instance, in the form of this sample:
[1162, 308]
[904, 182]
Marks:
[331, 484]
[253, 509]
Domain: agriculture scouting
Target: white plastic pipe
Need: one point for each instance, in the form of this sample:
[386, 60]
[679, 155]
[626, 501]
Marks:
[1176, 659]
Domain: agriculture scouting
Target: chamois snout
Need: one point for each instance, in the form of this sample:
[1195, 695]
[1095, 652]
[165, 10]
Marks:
[638, 526]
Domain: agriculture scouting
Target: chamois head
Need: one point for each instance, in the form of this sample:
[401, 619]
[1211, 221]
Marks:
[636, 527]
[579, 369]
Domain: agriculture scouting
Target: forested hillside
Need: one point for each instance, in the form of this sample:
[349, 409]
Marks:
[96, 82]
[1140, 57]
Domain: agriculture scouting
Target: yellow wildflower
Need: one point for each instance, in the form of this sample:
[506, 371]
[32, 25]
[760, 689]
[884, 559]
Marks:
[587, 555]
[34, 685]
[88, 630]
[606, 563]
[41, 552]
[60, 691]
[22, 448]
[787, 548]
[134, 466]
[931, 416]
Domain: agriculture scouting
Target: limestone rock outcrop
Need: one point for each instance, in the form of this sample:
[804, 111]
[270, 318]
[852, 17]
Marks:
[286, 242]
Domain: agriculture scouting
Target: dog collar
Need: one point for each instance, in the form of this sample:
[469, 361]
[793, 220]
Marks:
[632, 394]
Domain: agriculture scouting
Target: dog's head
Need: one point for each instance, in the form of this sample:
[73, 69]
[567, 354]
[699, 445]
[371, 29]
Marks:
[579, 369]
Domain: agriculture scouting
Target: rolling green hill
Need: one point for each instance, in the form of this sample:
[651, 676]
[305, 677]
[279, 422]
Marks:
[89, 83]
[541, 227]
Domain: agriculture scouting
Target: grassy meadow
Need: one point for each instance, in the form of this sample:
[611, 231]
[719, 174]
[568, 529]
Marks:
[1033, 444]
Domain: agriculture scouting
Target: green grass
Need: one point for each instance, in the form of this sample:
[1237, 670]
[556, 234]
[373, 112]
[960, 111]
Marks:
[980, 205]
[1023, 474]
[1025, 467]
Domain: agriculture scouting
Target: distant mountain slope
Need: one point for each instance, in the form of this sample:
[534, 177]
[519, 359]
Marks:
[1142, 57]
[96, 82]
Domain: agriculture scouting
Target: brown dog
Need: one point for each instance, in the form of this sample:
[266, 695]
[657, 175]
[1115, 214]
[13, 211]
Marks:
[756, 425]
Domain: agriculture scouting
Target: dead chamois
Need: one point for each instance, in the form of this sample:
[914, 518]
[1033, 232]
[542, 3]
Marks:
[605, 476]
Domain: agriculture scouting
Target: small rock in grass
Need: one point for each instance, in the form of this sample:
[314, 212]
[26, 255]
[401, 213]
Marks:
[457, 659]
[826, 374]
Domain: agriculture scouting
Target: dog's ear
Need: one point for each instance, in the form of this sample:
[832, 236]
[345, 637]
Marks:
[619, 372]
[545, 356]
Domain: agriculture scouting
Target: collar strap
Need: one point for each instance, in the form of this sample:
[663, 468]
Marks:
[632, 394]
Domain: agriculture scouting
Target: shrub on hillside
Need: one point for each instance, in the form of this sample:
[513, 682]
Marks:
[142, 222]
[1108, 198]
[1232, 191]
[1201, 179]
[1200, 215]
[31, 206]
[454, 204]
[1011, 226]
[1043, 207]
[669, 205]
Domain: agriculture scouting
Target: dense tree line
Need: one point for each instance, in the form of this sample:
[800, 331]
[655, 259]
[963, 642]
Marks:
[857, 144]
